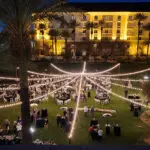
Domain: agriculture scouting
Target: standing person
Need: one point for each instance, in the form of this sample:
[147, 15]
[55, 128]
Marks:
[92, 112]
[126, 93]
[100, 133]
[86, 111]
[58, 119]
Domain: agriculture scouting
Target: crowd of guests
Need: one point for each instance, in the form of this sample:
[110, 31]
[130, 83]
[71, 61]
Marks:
[65, 120]
[11, 134]
[97, 133]
[36, 88]
[39, 117]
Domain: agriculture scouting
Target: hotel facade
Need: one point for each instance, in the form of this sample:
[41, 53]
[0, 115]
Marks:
[118, 26]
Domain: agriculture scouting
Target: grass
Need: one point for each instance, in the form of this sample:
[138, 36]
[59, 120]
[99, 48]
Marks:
[133, 129]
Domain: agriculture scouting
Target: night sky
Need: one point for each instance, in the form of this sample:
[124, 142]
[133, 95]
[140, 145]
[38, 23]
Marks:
[104, 1]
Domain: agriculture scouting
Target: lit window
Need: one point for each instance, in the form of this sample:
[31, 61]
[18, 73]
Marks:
[118, 31]
[107, 18]
[96, 18]
[118, 24]
[130, 18]
[119, 18]
[95, 31]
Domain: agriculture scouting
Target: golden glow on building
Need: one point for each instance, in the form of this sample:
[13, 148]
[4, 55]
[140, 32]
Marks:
[118, 26]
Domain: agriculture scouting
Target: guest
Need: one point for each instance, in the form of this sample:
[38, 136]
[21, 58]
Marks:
[100, 133]
[65, 112]
[89, 94]
[19, 129]
[86, 111]
[131, 107]
[63, 122]
[14, 127]
[19, 119]
[91, 128]
[46, 123]
[58, 119]
[126, 93]
[92, 112]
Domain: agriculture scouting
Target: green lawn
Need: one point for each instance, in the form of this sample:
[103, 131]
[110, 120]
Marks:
[133, 130]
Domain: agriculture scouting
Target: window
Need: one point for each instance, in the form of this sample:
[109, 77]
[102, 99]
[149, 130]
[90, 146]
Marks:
[95, 31]
[130, 33]
[131, 25]
[96, 18]
[107, 18]
[118, 31]
[108, 25]
[118, 24]
[108, 31]
[130, 18]
[119, 18]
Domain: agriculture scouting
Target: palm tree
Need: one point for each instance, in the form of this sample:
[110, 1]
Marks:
[73, 25]
[90, 27]
[42, 27]
[17, 15]
[50, 33]
[65, 34]
[101, 25]
[54, 33]
[147, 42]
[139, 17]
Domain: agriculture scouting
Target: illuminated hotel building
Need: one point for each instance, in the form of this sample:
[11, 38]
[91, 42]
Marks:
[118, 26]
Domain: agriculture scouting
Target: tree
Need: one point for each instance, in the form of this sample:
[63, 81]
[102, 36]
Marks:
[147, 42]
[17, 15]
[101, 25]
[65, 34]
[73, 24]
[42, 27]
[54, 33]
[139, 17]
[90, 27]
[146, 91]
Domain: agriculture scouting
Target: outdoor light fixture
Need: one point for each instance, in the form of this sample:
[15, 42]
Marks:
[146, 77]
[32, 130]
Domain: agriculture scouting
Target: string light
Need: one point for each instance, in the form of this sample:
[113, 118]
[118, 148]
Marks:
[48, 75]
[129, 80]
[46, 95]
[133, 88]
[63, 71]
[9, 78]
[78, 100]
[40, 97]
[127, 74]
[106, 71]
[123, 86]
[119, 96]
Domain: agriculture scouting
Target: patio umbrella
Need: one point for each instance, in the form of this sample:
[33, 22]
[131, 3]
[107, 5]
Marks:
[107, 115]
